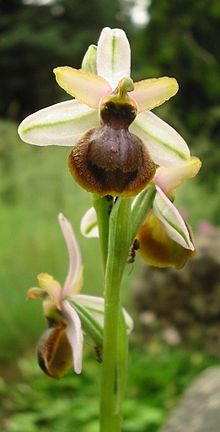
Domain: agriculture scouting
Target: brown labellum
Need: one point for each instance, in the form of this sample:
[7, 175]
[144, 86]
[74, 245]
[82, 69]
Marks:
[54, 352]
[109, 160]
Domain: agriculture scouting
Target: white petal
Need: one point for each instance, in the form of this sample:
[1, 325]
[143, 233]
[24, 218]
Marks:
[88, 226]
[74, 335]
[172, 220]
[165, 145]
[113, 56]
[96, 306]
[60, 124]
[75, 263]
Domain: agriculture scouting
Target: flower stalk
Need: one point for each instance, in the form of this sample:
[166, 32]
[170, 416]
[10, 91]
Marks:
[114, 343]
[103, 207]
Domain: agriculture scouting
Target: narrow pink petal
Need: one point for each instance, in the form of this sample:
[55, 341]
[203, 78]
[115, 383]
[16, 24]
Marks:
[75, 263]
[61, 124]
[113, 56]
[89, 226]
[74, 335]
[84, 86]
[170, 178]
[171, 219]
[151, 93]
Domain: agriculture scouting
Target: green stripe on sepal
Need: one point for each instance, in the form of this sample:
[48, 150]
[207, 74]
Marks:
[171, 219]
[164, 143]
[89, 324]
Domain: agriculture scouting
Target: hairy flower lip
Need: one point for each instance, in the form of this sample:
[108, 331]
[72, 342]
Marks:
[111, 161]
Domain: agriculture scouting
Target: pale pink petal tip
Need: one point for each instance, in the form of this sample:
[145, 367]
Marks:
[74, 335]
[75, 262]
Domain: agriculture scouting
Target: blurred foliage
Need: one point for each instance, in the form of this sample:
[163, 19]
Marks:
[38, 402]
[34, 39]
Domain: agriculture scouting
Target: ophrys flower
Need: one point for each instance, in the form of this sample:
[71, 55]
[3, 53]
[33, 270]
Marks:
[69, 314]
[117, 140]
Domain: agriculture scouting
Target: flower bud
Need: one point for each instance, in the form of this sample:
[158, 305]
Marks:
[54, 352]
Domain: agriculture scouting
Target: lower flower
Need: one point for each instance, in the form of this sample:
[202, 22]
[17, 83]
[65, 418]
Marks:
[69, 315]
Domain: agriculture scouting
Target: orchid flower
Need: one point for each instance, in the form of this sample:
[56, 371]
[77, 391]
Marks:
[164, 238]
[68, 313]
[107, 100]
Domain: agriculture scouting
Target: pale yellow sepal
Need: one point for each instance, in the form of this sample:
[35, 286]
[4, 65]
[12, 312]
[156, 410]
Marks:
[151, 93]
[84, 86]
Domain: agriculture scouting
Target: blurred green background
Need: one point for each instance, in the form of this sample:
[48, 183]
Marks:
[167, 38]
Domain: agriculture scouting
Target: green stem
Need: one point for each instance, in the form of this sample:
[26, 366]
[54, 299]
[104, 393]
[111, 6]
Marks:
[115, 344]
[103, 208]
[140, 208]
